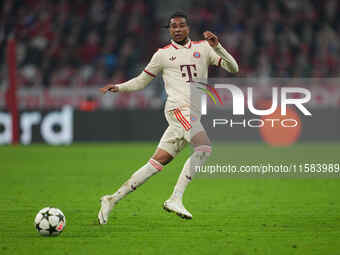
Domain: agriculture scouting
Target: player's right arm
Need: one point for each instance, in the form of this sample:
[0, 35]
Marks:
[139, 82]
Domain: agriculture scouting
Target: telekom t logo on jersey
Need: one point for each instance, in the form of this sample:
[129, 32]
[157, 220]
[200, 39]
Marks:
[186, 71]
[239, 101]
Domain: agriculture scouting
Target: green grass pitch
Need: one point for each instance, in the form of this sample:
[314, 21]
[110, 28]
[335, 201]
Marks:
[231, 215]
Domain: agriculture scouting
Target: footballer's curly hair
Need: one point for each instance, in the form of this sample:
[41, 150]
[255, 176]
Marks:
[178, 14]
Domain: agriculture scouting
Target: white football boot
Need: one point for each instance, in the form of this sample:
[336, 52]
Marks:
[178, 208]
[106, 207]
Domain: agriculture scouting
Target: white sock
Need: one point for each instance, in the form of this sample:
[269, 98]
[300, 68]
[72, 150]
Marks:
[137, 179]
[198, 158]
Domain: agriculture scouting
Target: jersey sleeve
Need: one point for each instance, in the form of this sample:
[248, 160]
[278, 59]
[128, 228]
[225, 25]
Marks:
[144, 78]
[221, 57]
[213, 58]
[155, 65]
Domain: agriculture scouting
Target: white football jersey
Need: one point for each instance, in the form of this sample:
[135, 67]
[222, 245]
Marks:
[180, 66]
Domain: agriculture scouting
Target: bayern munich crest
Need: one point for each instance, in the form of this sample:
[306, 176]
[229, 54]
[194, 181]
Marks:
[196, 54]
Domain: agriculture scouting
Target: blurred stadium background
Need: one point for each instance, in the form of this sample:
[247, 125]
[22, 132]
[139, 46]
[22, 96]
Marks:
[65, 50]
[54, 55]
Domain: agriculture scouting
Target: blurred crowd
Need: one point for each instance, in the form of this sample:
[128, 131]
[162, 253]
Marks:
[78, 43]
[276, 38]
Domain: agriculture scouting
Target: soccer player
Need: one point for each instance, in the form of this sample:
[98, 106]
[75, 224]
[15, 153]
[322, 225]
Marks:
[181, 62]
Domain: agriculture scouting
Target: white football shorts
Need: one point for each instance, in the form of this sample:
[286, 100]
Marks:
[183, 126]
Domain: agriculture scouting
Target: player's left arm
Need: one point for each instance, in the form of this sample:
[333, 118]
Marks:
[224, 57]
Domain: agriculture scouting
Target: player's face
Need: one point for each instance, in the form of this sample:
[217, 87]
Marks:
[178, 29]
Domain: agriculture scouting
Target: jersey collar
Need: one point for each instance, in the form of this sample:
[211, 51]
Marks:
[178, 46]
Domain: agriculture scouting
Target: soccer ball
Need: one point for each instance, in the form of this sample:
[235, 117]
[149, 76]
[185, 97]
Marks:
[50, 221]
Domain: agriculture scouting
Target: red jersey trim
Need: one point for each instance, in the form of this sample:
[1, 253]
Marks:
[174, 46]
[182, 120]
[151, 74]
[197, 42]
[167, 46]
[184, 47]
[219, 62]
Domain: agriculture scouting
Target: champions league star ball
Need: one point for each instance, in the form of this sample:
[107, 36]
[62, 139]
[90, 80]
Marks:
[50, 221]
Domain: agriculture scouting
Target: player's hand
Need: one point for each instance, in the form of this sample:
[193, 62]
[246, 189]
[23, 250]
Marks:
[109, 88]
[211, 38]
